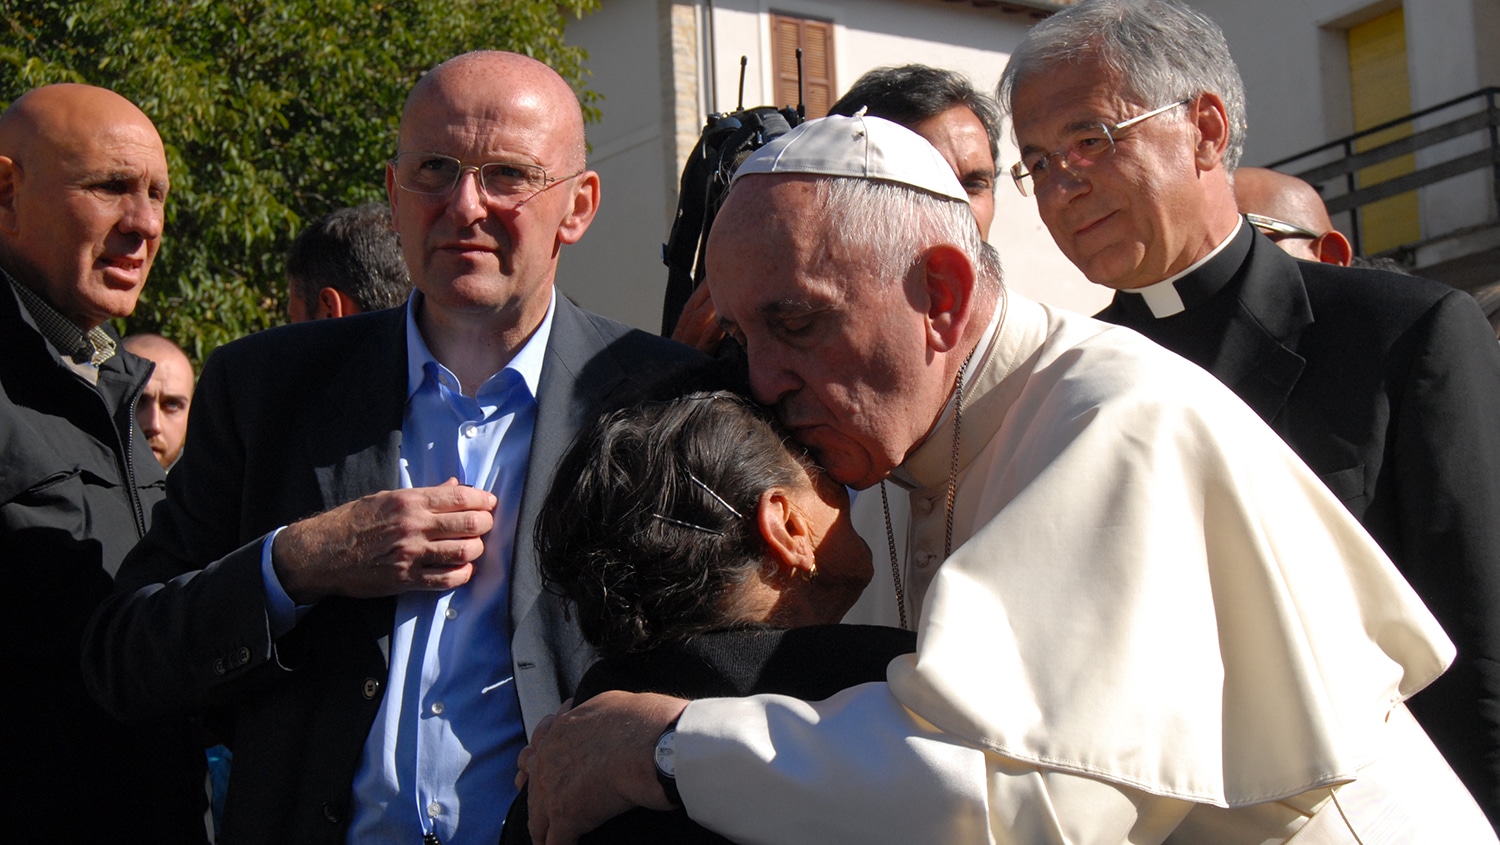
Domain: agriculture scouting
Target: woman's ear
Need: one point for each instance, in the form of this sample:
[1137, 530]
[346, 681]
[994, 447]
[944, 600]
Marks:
[786, 531]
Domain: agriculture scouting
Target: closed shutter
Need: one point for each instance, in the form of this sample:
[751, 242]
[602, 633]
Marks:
[815, 37]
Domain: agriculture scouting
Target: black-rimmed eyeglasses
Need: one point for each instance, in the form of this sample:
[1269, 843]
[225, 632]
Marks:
[1087, 146]
[435, 175]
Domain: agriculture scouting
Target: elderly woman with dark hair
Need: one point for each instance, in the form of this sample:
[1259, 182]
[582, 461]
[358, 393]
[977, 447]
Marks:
[705, 556]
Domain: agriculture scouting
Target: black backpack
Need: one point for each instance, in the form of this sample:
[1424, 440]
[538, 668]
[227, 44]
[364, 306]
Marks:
[726, 142]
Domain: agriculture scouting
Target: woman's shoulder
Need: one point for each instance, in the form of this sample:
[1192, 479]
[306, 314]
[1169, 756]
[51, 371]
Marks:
[812, 663]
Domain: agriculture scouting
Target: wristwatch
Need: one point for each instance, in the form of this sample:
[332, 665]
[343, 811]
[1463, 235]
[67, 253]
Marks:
[666, 763]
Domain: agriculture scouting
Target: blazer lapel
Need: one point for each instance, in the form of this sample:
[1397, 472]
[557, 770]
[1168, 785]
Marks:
[1258, 359]
[356, 450]
[576, 378]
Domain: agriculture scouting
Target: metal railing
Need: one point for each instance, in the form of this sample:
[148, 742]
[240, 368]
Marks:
[1355, 196]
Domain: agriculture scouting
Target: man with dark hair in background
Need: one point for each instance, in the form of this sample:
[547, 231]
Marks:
[943, 107]
[345, 263]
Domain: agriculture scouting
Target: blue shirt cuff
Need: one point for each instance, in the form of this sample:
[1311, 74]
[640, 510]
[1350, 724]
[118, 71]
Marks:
[283, 613]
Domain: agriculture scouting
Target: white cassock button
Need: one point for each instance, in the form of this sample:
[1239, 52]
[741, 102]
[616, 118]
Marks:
[925, 559]
[434, 809]
[437, 708]
[470, 429]
[450, 613]
[923, 507]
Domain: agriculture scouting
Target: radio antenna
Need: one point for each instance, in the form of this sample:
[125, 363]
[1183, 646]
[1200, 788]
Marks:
[740, 106]
[801, 108]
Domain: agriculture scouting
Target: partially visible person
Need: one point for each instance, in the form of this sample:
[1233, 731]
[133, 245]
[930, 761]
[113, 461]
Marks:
[346, 262]
[1130, 118]
[963, 124]
[943, 107]
[1291, 213]
[162, 409]
[1140, 617]
[1488, 298]
[341, 576]
[1383, 262]
[83, 186]
[726, 578]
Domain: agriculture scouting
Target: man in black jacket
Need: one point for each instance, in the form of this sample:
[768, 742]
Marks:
[1130, 119]
[372, 634]
[83, 180]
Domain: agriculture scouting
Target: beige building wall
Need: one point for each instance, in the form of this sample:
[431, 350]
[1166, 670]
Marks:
[1294, 58]
[650, 60]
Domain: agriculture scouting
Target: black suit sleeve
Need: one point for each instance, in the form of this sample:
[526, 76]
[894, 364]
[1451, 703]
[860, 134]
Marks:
[1447, 456]
[177, 634]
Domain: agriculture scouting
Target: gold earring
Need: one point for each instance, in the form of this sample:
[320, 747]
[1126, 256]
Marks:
[810, 574]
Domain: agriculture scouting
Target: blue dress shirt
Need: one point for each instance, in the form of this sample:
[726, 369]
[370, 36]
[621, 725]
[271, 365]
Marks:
[441, 755]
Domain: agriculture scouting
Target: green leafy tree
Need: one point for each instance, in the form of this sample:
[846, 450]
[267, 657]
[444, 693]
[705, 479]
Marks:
[272, 113]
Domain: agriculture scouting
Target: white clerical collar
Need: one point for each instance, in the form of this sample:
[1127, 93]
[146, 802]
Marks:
[1164, 298]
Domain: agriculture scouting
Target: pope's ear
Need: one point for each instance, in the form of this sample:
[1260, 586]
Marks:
[585, 206]
[10, 177]
[948, 278]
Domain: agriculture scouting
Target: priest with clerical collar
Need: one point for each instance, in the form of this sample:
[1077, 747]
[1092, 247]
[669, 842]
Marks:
[1130, 118]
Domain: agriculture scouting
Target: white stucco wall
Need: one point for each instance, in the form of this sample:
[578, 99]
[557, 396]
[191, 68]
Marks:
[616, 270]
[1294, 59]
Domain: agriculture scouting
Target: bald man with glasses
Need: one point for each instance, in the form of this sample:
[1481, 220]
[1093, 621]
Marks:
[1130, 118]
[1292, 214]
[342, 577]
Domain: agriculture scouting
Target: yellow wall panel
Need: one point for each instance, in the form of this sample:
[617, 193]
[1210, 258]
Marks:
[1381, 91]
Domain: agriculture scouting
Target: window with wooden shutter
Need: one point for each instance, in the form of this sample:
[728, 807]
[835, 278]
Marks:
[815, 37]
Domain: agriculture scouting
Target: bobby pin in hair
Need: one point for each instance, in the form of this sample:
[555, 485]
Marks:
[704, 529]
[717, 497]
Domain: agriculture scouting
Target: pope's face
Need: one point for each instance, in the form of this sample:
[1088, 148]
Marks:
[839, 353]
[1130, 219]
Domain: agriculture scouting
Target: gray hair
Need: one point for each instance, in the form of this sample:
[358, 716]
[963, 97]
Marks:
[1161, 49]
[889, 225]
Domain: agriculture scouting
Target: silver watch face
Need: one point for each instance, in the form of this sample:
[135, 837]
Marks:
[666, 758]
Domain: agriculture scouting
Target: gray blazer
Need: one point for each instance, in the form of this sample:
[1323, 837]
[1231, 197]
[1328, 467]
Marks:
[287, 423]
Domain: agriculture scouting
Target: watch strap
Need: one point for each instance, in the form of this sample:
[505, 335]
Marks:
[668, 782]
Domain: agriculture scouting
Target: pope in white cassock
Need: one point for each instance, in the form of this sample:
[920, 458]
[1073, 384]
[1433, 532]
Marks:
[1141, 619]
